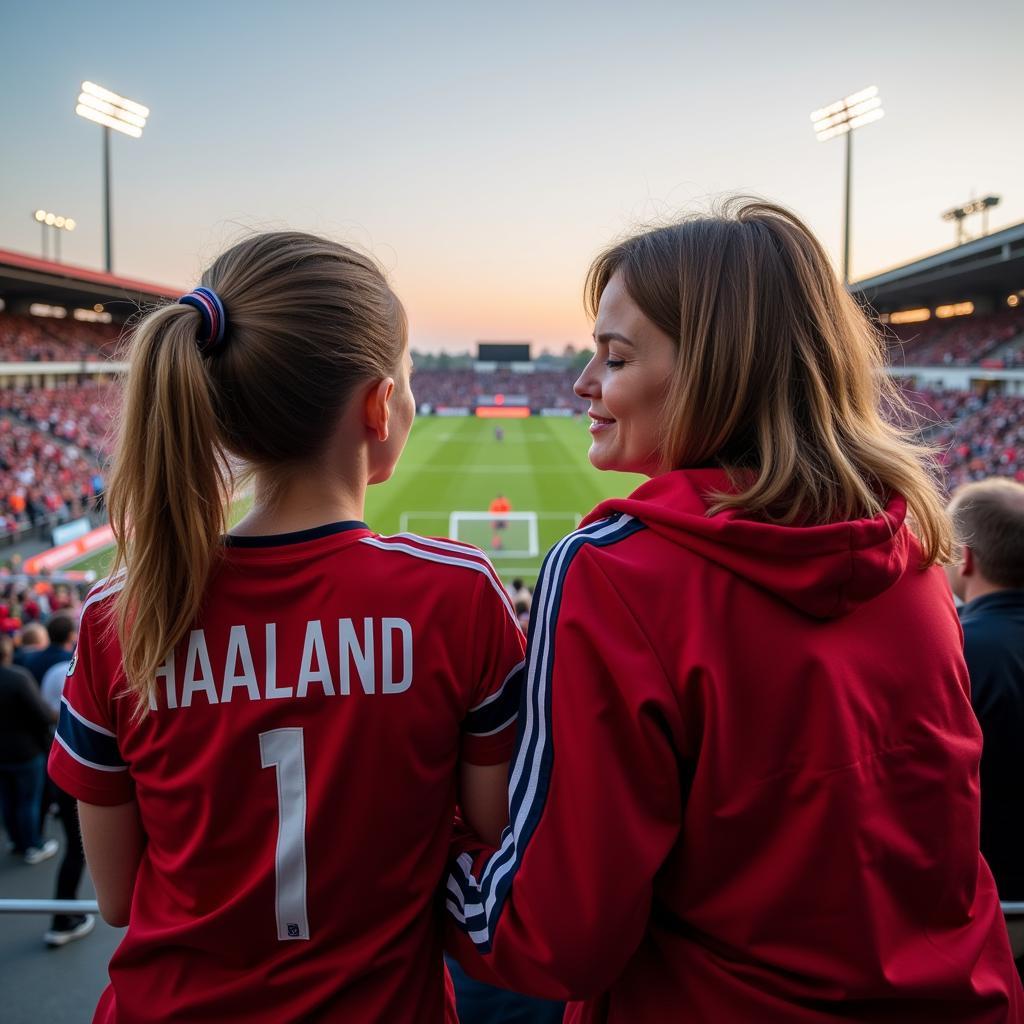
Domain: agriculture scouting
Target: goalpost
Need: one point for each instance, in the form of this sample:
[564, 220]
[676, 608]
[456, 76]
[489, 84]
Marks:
[500, 534]
[519, 538]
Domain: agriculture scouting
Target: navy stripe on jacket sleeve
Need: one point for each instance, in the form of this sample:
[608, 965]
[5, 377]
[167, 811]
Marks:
[476, 902]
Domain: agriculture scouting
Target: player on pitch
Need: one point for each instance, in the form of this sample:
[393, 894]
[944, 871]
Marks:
[745, 789]
[268, 730]
[498, 505]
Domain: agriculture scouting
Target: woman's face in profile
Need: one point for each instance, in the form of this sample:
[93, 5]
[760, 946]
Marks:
[625, 383]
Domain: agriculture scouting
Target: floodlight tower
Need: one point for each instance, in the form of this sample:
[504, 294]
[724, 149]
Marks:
[960, 213]
[55, 221]
[842, 118]
[108, 109]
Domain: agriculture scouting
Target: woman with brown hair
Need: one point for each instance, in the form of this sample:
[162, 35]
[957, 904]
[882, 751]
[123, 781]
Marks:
[745, 787]
[267, 730]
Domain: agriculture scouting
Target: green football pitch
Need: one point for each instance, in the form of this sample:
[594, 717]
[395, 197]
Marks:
[454, 465]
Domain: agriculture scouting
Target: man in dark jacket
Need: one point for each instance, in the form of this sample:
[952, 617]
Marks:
[989, 578]
[63, 635]
[33, 639]
[25, 722]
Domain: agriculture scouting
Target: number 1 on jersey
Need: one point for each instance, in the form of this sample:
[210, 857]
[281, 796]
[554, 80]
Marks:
[283, 749]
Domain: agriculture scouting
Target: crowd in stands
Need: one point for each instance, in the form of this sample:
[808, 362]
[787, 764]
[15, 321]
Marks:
[51, 440]
[545, 389]
[42, 480]
[23, 602]
[81, 414]
[977, 436]
[962, 341]
[33, 339]
[986, 441]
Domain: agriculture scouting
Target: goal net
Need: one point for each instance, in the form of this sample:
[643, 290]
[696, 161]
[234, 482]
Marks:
[500, 534]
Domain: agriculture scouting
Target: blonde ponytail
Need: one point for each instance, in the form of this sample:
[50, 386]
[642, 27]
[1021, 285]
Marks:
[167, 493]
[309, 320]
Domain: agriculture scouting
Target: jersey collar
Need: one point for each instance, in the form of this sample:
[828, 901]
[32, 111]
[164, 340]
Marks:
[276, 540]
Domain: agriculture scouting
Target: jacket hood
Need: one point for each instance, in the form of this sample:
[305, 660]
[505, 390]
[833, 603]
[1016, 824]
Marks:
[824, 571]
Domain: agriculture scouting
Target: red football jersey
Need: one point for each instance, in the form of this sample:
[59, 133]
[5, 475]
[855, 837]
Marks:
[296, 775]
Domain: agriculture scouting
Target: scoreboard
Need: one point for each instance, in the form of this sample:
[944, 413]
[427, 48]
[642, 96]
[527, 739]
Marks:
[503, 352]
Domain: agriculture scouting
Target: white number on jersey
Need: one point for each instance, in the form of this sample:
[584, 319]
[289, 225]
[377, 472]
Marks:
[283, 749]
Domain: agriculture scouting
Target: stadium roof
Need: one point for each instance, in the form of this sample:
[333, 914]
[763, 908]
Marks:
[988, 268]
[26, 279]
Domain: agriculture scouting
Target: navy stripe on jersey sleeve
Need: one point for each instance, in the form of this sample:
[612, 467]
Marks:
[88, 743]
[500, 708]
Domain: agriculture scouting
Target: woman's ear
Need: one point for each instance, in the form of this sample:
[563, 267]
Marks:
[376, 413]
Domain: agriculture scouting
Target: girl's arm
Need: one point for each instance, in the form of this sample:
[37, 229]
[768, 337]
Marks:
[113, 841]
[483, 799]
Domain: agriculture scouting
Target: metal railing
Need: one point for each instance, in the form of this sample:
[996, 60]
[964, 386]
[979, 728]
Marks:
[1010, 909]
[48, 907]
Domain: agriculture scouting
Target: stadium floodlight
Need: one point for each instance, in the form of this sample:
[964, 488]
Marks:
[961, 213]
[842, 118]
[110, 111]
[47, 219]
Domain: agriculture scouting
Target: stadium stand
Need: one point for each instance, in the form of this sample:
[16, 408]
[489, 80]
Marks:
[544, 389]
[81, 414]
[986, 441]
[42, 481]
[47, 340]
[961, 342]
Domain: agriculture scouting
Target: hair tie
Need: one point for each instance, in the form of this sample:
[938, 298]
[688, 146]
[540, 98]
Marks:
[210, 338]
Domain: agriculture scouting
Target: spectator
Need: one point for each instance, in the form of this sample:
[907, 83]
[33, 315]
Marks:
[25, 722]
[63, 635]
[66, 928]
[34, 638]
[746, 779]
[181, 846]
[988, 517]
[520, 593]
[523, 615]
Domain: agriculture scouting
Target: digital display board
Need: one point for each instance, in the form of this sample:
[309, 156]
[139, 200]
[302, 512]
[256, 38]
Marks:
[503, 352]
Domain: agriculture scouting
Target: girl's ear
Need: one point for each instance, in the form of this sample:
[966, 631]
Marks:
[376, 413]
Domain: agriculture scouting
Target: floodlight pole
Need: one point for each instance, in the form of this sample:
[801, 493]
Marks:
[107, 109]
[46, 254]
[846, 215]
[108, 247]
[842, 118]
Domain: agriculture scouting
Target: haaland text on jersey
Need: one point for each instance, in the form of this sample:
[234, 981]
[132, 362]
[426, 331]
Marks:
[376, 655]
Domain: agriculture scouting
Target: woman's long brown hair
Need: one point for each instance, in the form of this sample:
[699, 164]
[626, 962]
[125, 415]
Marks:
[309, 320]
[779, 374]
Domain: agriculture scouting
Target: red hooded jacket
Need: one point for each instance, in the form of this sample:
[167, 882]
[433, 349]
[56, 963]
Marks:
[746, 781]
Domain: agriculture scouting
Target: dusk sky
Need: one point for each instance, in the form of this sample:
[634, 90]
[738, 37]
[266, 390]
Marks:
[484, 153]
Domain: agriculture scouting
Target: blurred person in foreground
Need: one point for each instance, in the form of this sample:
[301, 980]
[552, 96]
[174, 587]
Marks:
[25, 722]
[61, 634]
[33, 639]
[988, 518]
[745, 786]
[65, 928]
